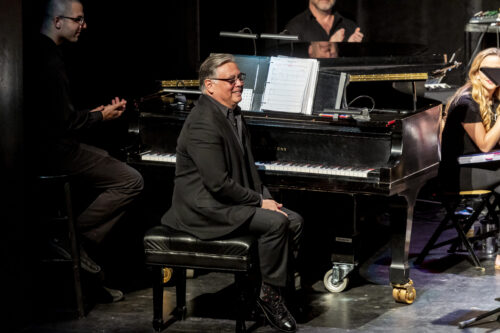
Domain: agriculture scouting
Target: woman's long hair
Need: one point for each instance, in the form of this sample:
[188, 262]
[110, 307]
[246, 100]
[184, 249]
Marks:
[478, 92]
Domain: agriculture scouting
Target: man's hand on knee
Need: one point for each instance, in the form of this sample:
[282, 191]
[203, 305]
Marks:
[273, 205]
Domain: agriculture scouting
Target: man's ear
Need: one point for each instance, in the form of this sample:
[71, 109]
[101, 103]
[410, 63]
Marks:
[57, 22]
[209, 86]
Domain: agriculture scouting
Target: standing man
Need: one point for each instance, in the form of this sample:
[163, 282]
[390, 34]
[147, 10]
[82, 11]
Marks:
[55, 125]
[320, 22]
[217, 188]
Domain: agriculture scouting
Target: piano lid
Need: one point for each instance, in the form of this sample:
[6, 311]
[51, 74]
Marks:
[356, 58]
[367, 58]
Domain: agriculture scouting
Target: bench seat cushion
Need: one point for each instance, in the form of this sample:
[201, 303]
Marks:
[170, 247]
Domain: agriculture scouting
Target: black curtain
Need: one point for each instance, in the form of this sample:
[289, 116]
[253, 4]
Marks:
[16, 274]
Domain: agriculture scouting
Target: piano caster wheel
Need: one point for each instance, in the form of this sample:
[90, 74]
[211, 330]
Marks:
[334, 287]
[404, 293]
[167, 274]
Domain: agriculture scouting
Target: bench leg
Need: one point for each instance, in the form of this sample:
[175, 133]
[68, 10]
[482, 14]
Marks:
[242, 284]
[180, 293]
[158, 322]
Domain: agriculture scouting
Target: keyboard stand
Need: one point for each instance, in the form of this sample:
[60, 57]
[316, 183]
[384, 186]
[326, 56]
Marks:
[469, 322]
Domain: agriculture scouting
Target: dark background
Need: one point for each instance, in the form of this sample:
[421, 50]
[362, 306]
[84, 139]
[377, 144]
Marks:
[130, 44]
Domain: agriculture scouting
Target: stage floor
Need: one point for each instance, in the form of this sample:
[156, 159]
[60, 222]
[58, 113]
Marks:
[449, 290]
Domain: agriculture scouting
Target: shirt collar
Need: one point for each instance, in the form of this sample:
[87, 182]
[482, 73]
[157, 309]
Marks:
[336, 14]
[224, 109]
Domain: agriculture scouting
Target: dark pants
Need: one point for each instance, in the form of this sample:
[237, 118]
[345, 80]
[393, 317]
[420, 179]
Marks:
[116, 182]
[486, 177]
[277, 236]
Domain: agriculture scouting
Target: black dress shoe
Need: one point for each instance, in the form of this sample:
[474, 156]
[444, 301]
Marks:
[63, 249]
[277, 314]
[108, 295]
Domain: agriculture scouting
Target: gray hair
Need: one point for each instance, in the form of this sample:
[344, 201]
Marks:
[57, 7]
[208, 68]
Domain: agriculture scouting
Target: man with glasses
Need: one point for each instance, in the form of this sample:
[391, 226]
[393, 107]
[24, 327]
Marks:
[55, 126]
[217, 188]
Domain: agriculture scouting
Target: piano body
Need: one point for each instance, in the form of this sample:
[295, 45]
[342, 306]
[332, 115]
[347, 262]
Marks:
[386, 152]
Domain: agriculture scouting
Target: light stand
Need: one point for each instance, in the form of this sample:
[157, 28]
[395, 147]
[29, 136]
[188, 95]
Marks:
[243, 33]
[282, 37]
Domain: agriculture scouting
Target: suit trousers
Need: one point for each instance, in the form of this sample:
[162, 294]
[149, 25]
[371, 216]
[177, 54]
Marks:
[277, 237]
[116, 183]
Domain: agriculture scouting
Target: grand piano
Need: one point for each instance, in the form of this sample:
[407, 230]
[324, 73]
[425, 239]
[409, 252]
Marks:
[379, 142]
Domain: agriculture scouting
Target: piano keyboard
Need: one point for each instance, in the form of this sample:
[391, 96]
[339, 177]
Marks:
[158, 157]
[491, 156]
[280, 166]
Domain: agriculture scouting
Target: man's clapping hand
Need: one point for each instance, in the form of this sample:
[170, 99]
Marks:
[113, 110]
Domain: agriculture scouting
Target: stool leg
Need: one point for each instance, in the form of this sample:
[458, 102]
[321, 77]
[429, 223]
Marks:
[491, 210]
[158, 322]
[469, 222]
[75, 253]
[180, 293]
[466, 242]
[434, 237]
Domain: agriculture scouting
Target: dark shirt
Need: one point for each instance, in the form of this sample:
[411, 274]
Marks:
[308, 28]
[234, 119]
[52, 118]
[455, 140]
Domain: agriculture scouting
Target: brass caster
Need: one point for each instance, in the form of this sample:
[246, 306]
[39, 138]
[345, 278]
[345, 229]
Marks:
[404, 293]
[167, 274]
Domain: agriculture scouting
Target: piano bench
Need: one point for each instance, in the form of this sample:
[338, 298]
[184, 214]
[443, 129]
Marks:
[462, 221]
[167, 248]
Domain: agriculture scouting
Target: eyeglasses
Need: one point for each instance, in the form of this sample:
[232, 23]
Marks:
[232, 81]
[79, 19]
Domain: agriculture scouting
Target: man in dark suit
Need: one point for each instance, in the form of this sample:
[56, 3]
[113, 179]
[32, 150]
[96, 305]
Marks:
[217, 188]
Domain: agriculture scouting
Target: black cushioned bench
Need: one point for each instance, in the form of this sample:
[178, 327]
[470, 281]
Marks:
[165, 247]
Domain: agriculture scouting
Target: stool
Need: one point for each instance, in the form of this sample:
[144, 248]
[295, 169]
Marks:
[59, 185]
[453, 219]
[165, 247]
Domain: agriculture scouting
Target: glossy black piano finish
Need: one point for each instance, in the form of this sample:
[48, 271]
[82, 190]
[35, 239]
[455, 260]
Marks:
[380, 146]
[400, 146]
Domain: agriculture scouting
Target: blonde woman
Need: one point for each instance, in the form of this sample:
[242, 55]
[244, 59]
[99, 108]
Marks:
[471, 127]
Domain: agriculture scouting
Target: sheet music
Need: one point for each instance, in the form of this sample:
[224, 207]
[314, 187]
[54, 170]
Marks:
[311, 88]
[246, 99]
[290, 85]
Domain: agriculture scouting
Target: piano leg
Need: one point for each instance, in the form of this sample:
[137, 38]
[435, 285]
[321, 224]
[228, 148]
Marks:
[401, 214]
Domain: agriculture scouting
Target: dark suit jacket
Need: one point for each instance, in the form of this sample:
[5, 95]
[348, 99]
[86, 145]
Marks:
[217, 187]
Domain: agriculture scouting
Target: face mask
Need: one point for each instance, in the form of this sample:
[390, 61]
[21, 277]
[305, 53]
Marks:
[492, 73]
